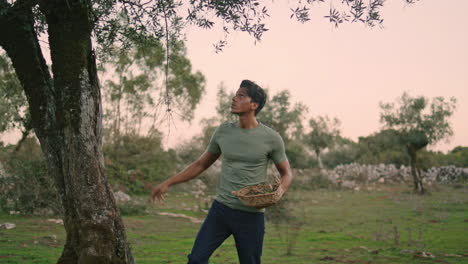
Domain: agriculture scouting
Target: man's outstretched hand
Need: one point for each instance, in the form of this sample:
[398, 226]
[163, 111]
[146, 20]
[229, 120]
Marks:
[158, 193]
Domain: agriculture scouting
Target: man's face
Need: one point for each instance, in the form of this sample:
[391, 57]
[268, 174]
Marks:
[242, 103]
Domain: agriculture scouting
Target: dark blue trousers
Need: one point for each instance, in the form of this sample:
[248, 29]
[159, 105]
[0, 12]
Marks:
[247, 228]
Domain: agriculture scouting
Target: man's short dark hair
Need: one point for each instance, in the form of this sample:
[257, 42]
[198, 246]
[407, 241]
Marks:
[255, 92]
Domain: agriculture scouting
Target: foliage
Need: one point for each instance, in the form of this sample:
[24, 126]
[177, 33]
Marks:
[137, 97]
[25, 185]
[385, 147]
[382, 147]
[458, 157]
[129, 208]
[323, 135]
[136, 92]
[13, 107]
[136, 161]
[418, 124]
[324, 132]
[284, 117]
[418, 120]
[343, 152]
[136, 21]
[130, 21]
[310, 179]
[191, 150]
[223, 108]
[321, 181]
[298, 155]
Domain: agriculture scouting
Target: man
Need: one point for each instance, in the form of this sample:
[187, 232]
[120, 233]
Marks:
[247, 146]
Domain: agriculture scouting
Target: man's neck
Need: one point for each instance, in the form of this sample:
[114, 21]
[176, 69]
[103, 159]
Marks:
[247, 121]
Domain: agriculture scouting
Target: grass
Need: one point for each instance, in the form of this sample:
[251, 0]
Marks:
[337, 227]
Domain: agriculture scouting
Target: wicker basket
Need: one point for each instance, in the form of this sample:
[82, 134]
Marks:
[261, 195]
[269, 195]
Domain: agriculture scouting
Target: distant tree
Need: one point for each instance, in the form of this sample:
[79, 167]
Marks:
[286, 118]
[325, 132]
[223, 108]
[419, 122]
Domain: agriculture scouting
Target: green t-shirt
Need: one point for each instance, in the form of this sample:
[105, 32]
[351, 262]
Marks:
[246, 153]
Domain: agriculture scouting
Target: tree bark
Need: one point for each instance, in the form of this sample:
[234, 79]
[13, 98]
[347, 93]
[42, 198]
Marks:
[415, 171]
[66, 117]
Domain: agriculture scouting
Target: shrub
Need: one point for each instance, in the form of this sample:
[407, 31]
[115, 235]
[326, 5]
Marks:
[311, 179]
[344, 154]
[320, 181]
[298, 157]
[129, 208]
[133, 160]
[25, 185]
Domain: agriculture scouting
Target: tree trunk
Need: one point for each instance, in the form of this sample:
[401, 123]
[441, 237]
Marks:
[415, 171]
[319, 158]
[66, 117]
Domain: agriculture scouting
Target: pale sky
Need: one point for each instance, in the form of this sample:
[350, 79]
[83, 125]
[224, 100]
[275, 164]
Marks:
[345, 72]
[342, 72]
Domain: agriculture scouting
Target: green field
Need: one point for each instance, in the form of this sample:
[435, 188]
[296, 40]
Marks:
[386, 225]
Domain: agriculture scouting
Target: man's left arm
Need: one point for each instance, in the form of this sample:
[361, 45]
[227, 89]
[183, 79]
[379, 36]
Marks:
[284, 170]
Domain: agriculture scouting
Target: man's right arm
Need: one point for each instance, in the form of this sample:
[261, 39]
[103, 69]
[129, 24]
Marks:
[192, 171]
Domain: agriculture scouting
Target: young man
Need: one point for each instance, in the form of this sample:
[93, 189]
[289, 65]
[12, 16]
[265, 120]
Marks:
[247, 146]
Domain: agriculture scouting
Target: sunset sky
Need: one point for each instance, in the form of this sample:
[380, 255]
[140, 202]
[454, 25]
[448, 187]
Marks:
[341, 72]
[345, 72]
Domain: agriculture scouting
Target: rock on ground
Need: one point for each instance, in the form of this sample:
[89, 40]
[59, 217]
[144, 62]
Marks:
[121, 197]
[7, 226]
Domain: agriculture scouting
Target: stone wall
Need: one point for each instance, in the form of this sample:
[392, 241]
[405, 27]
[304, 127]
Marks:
[352, 174]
